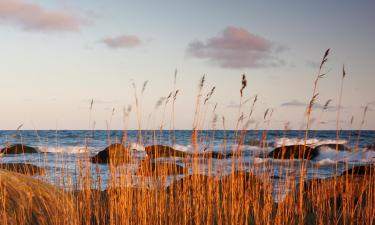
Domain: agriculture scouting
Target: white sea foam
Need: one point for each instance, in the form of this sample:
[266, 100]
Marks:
[65, 149]
[183, 148]
[326, 162]
[361, 156]
[219, 148]
[260, 160]
[312, 141]
[137, 147]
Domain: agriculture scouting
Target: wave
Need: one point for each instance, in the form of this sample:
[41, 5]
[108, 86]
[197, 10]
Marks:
[361, 156]
[326, 162]
[65, 149]
[183, 148]
[137, 147]
[261, 160]
[220, 148]
[311, 142]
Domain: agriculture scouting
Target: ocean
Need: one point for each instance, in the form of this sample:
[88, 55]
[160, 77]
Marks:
[63, 151]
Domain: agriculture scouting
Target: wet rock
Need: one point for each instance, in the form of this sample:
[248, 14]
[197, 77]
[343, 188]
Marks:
[113, 154]
[275, 177]
[294, 152]
[360, 170]
[214, 155]
[370, 147]
[23, 168]
[18, 149]
[156, 151]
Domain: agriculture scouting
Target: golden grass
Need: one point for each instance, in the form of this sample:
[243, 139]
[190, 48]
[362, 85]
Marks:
[236, 198]
[25, 200]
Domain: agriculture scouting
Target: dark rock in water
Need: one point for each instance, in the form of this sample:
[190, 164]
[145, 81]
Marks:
[294, 152]
[360, 170]
[32, 201]
[214, 155]
[150, 168]
[371, 147]
[23, 168]
[18, 149]
[156, 151]
[340, 147]
[275, 177]
[113, 154]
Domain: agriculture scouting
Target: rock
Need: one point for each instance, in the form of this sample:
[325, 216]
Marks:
[150, 168]
[23, 168]
[370, 147]
[360, 170]
[214, 155]
[340, 147]
[156, 151]
[114, 154]
[294, 152]
[275, 177]
[25, 200]
[18, 149]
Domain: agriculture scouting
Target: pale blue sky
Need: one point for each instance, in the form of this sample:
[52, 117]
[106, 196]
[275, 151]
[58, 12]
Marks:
[57, 55]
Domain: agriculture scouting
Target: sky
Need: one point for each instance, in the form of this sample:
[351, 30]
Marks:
[58, 55]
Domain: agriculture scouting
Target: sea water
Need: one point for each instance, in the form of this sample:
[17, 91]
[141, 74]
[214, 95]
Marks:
[63, 153]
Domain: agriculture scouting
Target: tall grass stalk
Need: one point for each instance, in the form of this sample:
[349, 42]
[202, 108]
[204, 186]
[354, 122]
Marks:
[308, 116]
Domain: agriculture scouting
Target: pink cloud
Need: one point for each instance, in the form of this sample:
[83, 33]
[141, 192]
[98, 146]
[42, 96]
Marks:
[237, 48]
[124, 41]
[30, 16]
